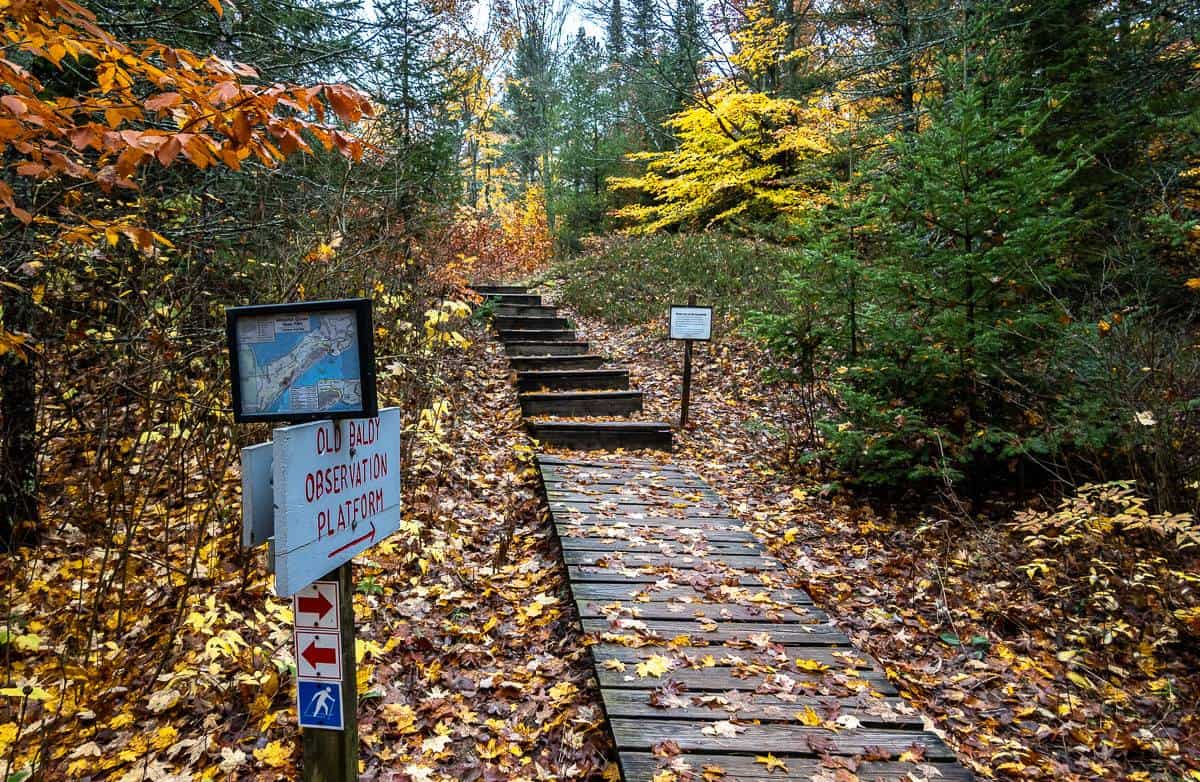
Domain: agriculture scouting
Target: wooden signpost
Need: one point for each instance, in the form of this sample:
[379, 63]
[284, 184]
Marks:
[690, 324]
[319, 493]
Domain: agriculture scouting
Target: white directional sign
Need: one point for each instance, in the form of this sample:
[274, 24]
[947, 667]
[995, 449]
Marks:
[337, 493]
[316, 607]
[258, 501]
[691, 323]
[319, 655]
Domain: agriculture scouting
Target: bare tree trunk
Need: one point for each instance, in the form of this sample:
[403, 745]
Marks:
[18, 434]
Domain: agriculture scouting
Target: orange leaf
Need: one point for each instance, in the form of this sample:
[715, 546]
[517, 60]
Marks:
[344, 102]
[241, 127]
[216, 4]
[164, 100]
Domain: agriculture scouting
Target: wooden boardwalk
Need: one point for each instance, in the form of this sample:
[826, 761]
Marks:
[711, 666]
[707, 659]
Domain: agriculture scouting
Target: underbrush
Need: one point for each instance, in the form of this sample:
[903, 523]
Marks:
[1058, 642]
[627, 280]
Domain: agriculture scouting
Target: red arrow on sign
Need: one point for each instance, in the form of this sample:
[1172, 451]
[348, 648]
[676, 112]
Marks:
[315, 655]
[318, 605]
[369, 536]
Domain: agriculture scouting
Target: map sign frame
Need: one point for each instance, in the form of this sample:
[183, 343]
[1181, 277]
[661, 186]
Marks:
[690, 322]
[364, 340]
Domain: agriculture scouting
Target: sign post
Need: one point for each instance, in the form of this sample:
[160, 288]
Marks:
[690, 323]
[327, 709]
[318, 494]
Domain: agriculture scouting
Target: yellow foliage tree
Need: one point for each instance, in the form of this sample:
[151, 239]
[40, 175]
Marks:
[741, 155]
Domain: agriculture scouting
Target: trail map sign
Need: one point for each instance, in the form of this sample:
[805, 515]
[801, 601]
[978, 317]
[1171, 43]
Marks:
[337, 493]
[302, 362]
[691, 322]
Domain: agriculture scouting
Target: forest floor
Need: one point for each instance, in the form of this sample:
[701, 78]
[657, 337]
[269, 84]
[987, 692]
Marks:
[1006, 666]
[471, 664]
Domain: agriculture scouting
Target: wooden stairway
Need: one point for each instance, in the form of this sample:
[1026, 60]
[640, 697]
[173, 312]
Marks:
[561, 382]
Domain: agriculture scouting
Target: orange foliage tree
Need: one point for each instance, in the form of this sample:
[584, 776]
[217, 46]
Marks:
[82, 116]
[512, 242]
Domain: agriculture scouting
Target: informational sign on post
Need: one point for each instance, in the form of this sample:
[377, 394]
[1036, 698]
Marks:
[337, 493]
[323, 490]
[691, 322]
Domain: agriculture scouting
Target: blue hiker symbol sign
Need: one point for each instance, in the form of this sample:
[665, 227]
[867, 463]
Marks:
[320, 704]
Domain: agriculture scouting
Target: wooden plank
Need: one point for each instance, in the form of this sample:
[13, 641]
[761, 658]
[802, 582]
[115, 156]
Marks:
[714, 611]
[671, 533]
[599, 436]
[573, 379]
[537, 335]
[544, 348]
[653, 525]
[799, 740]
[504, 323]
[650, 576]
[591, 463]
[519, 299]
[836, 657]
[650, 534]
[485, 289]
[666, 496]
[698, 547]
[870, 710]
[754, 594]
[536, 363]
[616, 486]
[722, 679]
[642, 766]
[597, 505]
[783, 634]
[751, 564]
[517, 310]
[581, 403]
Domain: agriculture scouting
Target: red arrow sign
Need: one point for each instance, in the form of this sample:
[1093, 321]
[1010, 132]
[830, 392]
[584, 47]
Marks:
[315, 655]
[318, 605]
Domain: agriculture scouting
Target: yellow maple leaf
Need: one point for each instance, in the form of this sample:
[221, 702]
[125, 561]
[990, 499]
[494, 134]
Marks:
[277, 754]
[808, 717]
[771, 762]
[563, 690]
[655, 666]
[1193, 283]
[811, 665]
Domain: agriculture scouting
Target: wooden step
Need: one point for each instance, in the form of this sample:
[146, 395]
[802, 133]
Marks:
[522, 311]
[484, 290]
[537, 335]
[573, 379]
[542, 348]
[536, 363]
[581, 403]
[517, 299]
[525, 323]
[603, 435]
